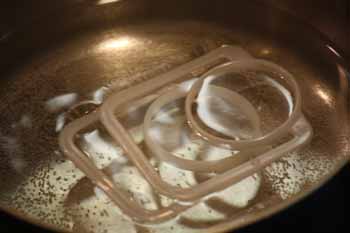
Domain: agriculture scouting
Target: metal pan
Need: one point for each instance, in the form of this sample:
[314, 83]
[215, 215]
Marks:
[54, 55]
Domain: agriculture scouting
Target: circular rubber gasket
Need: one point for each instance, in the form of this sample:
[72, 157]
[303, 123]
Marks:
[239, 67]
[205, 166]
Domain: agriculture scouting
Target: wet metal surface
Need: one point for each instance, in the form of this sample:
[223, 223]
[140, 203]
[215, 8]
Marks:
[72, 54]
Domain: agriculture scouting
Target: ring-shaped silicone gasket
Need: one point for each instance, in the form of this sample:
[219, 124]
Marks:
[201, 165]
[80, 159]
[219, 182]
[239, 67]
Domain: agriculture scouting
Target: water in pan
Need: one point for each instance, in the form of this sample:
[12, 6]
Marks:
[41, 183]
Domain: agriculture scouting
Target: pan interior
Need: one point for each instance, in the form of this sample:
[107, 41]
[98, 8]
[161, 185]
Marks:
[61, 62]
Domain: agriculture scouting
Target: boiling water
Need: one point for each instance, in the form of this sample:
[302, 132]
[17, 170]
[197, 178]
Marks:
[43, 184]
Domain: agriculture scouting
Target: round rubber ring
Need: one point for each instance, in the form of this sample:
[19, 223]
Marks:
[200, 165]
[239, 67]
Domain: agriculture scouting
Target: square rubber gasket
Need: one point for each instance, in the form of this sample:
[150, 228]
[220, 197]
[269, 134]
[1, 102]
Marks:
[302, 132]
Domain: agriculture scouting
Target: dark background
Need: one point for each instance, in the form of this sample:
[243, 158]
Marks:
[327, 209]
[331, 17]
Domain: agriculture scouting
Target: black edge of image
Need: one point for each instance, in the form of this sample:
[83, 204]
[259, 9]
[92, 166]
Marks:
[324, 211]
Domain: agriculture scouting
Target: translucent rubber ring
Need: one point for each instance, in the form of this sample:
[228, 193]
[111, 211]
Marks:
[219, 165]
[238, 67]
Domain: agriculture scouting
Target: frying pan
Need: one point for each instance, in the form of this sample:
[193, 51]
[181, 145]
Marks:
[73, 47]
